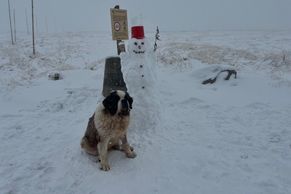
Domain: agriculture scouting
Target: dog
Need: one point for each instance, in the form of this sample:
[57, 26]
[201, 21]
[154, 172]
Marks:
[107, 128]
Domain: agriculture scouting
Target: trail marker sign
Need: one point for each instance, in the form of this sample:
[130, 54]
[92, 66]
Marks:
[119, 24]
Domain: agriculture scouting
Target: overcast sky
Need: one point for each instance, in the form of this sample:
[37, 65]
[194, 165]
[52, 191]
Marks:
[169, 15]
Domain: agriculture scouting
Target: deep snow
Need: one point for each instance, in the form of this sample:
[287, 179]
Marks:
[230, 137]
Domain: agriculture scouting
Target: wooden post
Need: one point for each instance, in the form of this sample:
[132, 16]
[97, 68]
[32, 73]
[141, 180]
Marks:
[10, 22]
[117, 41]
[117, 45]
[32, 24]
[120, 46]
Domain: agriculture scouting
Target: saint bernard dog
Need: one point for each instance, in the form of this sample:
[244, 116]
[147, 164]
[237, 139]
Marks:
[107, 128]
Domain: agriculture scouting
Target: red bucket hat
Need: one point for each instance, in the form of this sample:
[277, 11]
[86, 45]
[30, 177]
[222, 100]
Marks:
[137, 32]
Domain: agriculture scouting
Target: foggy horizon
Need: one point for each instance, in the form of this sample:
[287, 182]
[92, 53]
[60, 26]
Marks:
[184, 15]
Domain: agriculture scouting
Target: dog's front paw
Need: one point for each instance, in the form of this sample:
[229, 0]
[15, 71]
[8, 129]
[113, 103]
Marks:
[131, 154]
[104, 166]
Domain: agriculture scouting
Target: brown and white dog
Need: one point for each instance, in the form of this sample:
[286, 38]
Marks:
[107, 128]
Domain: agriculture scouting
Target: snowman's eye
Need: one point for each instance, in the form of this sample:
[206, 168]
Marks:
[135, 43]
[142, 43]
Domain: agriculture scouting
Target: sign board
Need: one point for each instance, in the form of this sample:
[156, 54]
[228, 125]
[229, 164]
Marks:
[119, 24]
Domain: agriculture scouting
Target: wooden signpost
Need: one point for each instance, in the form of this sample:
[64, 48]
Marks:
[119, 27]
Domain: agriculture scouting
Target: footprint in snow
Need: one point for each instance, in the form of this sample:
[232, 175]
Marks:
[275, 139]
[244, 156]
[191, 100]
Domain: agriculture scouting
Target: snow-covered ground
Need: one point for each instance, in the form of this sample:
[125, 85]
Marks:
[230, 137]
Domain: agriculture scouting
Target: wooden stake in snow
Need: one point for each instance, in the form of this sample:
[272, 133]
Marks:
[32, 24]
[157, 37]
[10, 22]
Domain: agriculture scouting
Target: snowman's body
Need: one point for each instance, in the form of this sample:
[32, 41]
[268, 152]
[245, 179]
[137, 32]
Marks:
[139, 70]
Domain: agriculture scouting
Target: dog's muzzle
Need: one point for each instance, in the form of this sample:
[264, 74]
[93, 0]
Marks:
[124, 108]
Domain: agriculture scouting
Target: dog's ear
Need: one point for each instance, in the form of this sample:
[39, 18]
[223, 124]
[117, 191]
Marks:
[111, 103]
[129, 99]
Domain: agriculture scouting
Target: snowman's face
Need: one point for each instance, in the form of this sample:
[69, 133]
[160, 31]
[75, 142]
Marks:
[138, 46]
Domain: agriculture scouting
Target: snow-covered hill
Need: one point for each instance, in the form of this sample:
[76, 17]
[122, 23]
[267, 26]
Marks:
[230, 137]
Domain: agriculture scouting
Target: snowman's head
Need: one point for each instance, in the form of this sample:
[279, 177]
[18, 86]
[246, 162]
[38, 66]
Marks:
[137, 46]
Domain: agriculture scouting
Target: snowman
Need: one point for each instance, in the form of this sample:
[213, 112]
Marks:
[139, 70]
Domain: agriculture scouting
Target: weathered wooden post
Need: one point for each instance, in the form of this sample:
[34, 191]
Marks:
[113, 77]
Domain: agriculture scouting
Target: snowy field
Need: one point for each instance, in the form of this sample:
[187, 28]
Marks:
[230, 137]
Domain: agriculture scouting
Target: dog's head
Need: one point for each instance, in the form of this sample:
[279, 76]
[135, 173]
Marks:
[118, 102]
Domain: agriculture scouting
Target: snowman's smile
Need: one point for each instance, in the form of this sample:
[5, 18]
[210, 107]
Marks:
[138, 52]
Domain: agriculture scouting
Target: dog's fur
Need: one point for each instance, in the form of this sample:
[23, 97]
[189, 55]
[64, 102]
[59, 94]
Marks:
[107, 128]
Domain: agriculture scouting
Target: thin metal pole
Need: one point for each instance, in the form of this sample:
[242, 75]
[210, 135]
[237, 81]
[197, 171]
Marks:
[32, 24]
[26, 18]
[14, 25]
[46, 25]
[10, 22]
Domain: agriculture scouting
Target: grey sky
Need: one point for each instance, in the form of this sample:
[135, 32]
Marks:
[171, 15]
